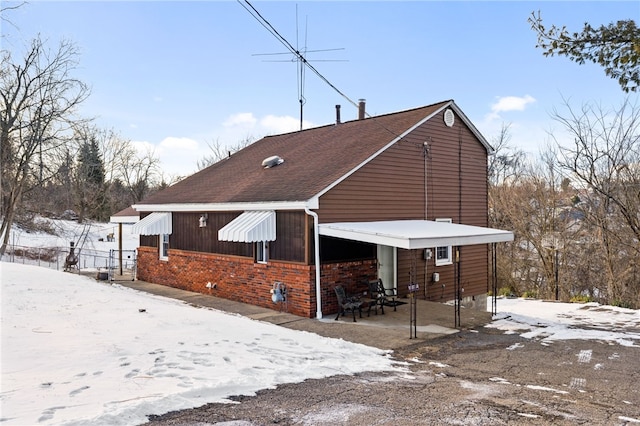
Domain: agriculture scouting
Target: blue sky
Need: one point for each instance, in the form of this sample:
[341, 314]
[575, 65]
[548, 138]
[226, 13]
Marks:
[175, 76]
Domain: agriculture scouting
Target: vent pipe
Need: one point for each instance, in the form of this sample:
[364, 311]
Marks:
[337, 114]
[361, 109]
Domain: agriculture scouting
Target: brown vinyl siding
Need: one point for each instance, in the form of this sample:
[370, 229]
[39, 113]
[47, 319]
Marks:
[389, 187]
[475, 269]
[187, 235]
[290, 237]
[149, 241]
[392, 187]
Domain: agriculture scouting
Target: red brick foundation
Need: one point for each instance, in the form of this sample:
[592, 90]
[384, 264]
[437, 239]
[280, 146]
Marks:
[241, 279]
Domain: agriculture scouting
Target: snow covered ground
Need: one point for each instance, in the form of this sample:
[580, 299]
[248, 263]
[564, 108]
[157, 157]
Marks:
[68, 230]
[549, 321]
[90, 240]
[76, 351]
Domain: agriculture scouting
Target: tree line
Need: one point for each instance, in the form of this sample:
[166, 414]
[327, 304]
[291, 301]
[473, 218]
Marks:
[52, 158]
[574, 211]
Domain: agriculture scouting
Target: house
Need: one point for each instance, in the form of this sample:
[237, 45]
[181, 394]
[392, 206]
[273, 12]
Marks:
[401, 196]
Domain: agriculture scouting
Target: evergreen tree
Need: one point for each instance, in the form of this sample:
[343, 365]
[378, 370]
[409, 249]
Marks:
[90, 181]
[616, 47]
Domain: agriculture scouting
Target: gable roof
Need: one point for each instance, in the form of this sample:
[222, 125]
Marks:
[314, 160]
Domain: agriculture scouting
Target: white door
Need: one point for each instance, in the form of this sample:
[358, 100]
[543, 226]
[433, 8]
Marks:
[387, 266]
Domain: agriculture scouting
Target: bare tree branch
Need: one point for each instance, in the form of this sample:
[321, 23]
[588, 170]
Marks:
[38, 100]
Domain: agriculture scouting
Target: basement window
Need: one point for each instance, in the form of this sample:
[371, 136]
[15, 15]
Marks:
[164, 246]
[443, 253]
[262, 250]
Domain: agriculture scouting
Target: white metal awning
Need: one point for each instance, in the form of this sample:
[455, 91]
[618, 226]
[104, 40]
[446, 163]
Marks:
[250, 227]
[415, 234]
[157, 223]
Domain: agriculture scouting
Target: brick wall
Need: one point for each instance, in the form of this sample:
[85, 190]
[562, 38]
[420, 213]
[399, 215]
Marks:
[349, 275]
[241, 279]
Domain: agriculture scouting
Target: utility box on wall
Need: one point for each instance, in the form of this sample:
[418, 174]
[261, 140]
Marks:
[427, 254]
[436, 277]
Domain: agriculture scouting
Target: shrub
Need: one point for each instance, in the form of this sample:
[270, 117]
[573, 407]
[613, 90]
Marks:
[506, 292]
[581, 298]
[622, 304]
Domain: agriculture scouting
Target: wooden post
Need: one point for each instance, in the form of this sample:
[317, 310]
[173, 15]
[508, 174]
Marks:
[120, 248]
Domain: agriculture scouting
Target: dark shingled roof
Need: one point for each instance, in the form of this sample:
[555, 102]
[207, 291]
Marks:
[313, 160]
[129, 211]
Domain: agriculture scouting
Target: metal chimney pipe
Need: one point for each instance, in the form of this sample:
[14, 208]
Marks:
[361, 109]
[337, 114]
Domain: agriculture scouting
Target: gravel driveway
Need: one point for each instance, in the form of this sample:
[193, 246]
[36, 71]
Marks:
[478, 376]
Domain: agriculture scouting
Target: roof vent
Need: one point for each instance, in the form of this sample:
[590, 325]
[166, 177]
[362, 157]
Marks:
[272, 161]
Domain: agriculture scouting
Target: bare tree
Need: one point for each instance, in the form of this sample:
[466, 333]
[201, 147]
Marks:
[4, 9]
[506, 161]
[139, 171]
[604, 160]
[39, 97]
[532, 200]
[220, 152]
[506, 192]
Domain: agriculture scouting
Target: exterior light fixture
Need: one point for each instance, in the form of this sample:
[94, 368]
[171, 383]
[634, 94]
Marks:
[203, 220]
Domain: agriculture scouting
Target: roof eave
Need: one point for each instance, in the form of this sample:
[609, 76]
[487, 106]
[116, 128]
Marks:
[312, 203]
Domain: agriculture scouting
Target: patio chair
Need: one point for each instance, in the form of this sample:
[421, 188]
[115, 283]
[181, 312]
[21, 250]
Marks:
[374, 297]
[347, 304]
[387, 295]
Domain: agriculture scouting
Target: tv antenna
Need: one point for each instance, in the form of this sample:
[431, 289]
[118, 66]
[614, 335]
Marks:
[300, 56]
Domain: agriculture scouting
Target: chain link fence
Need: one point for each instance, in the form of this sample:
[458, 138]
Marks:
[106, 264]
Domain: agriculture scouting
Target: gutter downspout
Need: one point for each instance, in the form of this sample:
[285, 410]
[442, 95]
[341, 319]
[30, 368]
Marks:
[316, 250]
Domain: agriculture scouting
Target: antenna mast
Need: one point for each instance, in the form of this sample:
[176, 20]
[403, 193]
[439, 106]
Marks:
[300, 56]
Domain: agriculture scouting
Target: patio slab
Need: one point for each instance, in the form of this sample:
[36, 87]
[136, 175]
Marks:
[388, 331]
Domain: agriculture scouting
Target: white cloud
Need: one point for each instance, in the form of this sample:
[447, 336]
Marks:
[509, 103]
[143, 146]
[280, 124]
[179, 156]
[171, 142]
[274, 124]
[240, 119]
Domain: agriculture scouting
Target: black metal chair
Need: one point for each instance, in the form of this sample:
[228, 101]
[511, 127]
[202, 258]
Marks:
[387, 295]
[347, 304]
[374, 298]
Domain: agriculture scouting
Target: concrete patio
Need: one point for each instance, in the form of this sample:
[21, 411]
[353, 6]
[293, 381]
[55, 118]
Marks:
[388, 331]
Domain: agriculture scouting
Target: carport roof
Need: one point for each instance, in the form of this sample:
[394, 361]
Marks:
[415, 234]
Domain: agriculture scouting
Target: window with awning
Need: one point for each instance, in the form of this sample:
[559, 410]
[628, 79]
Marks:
[250, 227]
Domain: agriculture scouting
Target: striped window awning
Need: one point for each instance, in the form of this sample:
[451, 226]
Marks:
[250, 227]
[157, 223]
